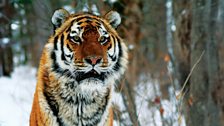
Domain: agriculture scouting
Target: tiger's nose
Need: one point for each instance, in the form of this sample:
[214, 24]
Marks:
[93, 60]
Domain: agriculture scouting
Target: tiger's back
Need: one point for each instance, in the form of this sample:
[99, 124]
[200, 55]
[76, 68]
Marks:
[78, 69]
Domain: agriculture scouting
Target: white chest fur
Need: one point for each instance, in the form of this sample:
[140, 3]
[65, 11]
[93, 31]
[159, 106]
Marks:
[81, 104]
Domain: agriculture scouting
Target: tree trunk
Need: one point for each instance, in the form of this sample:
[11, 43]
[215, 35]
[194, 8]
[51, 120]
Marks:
[203, 111]
[183, 17]
[6, 56]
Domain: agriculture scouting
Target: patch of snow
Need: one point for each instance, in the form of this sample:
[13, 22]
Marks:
[16, 94]
[5, 40]
[168, 4]
[149, 110]
[111, 1]
[148, 114]
[118, 101]
[15, 25]
[95, 9]
[69, 8]
[85, 8]
[131, 46]
[173, 28]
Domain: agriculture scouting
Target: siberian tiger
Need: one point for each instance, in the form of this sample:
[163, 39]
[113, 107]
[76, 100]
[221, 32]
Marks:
[78, 68]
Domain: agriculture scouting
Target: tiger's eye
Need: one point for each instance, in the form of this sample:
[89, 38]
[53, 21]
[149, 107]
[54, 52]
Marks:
[76, 38]
[103, 39]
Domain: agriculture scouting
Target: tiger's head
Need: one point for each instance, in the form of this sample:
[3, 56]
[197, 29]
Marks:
[86, 47]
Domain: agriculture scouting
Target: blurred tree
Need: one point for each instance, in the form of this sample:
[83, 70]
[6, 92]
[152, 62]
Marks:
[41, 27]
[203, 110]
[132, 18]
[143, 30]
[182, 39]
[6, 55]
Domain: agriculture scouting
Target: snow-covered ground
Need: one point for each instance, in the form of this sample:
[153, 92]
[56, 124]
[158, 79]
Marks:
[16, 94]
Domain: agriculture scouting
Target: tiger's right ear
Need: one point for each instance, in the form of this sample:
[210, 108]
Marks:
[113, 18]
[59, 17]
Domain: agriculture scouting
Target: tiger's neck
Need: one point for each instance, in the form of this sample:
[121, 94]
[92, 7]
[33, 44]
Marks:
[72, 103]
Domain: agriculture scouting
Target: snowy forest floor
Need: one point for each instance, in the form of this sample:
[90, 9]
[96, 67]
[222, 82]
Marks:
[16, 94]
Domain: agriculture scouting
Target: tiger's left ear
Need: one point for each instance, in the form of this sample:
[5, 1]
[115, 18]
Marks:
[59, 17]
[114, 18]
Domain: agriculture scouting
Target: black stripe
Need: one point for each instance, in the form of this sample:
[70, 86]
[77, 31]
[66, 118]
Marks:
[55, 43]
[52, 104]
[82, 27]
[109, 47]
[82, 75]
[97, 23]
[88, 17]
[79, 28]
[119, 48]
[77, 110]
[98, 27]
[69, 48]
[79, 23]
[57, 69]
[73, 32]
[72, 57]
[69, 28]
[76, 102]
[69, 56]
[66, 63]
[81, 106]
[105, 32]
[88, 21]
[53, 57]
[118, 65]
[67, 97]
[62, 48]
[69, 37]
[113, 57]
[55, 65]
[95, 119]
[80, 18]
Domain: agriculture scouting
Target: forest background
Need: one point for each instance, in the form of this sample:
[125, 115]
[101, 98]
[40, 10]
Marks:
[176, 49]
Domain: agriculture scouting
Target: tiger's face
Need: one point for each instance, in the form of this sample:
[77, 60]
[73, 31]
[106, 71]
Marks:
[87, 47]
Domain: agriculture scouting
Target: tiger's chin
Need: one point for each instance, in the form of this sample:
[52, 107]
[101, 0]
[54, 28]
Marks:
[91, 77]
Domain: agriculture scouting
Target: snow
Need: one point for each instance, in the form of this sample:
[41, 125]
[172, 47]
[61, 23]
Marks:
[15, 25]
[148, 109]
[148, 114]
[16, 94]
[118, 101]
[5, 40]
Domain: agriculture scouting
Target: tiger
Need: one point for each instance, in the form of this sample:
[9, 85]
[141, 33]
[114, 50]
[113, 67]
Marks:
[78, 70]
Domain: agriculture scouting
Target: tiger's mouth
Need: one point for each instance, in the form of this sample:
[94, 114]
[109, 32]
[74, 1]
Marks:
[91, 74]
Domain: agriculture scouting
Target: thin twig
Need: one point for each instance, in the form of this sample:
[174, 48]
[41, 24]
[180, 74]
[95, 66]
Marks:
[189, 75]
[140, 109]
